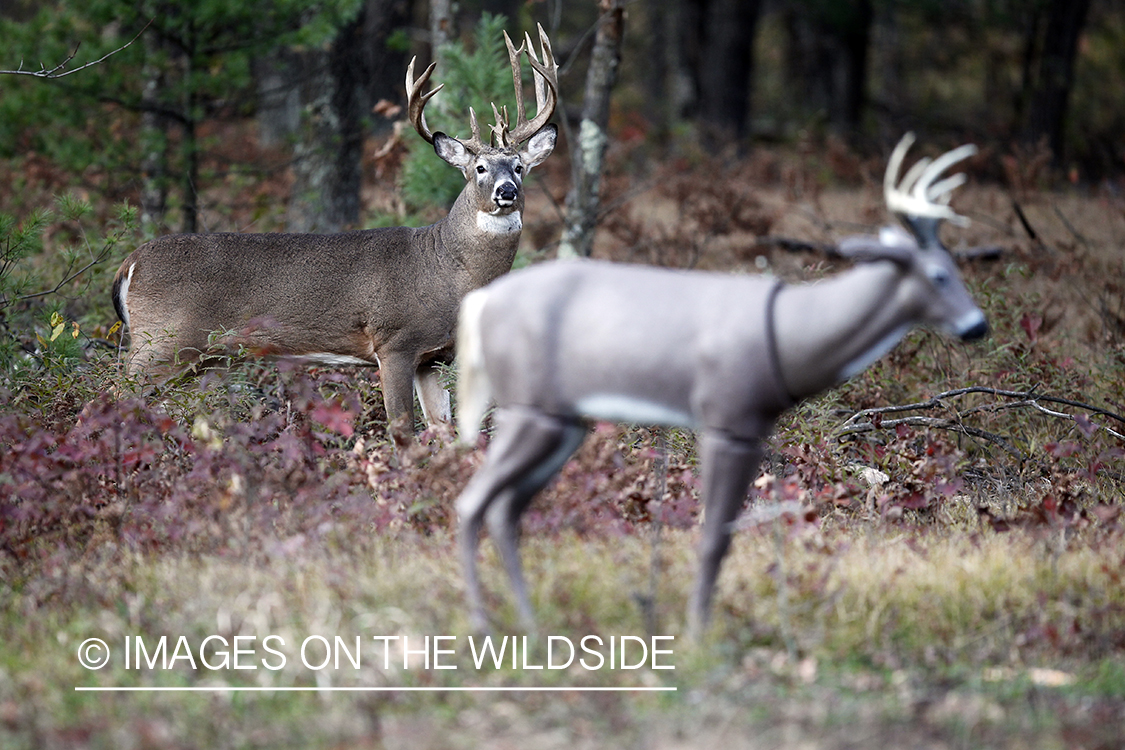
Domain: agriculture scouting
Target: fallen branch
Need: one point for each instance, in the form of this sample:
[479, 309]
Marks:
[868, 420]
[953, 423]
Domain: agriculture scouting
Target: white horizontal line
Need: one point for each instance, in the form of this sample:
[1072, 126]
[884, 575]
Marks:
[310, 689]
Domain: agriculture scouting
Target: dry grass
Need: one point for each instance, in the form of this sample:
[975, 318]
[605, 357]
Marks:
[970, 600]
[925, 638]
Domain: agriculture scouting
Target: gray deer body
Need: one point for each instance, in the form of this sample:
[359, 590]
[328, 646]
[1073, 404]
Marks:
[385, 297]
[559, 343]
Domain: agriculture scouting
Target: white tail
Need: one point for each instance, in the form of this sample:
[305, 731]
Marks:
[386, 297]
[562, 342]
[474, 393]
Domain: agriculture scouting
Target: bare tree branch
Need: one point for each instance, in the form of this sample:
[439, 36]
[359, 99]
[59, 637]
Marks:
[868, 420]
[59, 70]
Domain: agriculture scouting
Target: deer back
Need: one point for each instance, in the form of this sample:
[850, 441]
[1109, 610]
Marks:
[632, 343]
[305, 293]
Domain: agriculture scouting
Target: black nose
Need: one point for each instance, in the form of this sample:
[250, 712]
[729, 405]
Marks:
[979, 331]
[506, 192]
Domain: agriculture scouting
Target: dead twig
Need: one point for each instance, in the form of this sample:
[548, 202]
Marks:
[59, 70]
[868, 420]
[951, 423]
[1031, 233]
[1070, 228]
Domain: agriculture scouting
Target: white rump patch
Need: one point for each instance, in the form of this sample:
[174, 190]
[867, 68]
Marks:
[474, 391]
[493, 224]
[614, 407]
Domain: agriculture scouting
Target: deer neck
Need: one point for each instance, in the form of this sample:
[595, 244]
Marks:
[482, 242]
[831, 330]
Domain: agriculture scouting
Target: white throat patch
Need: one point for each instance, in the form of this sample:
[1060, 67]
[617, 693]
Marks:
[492, 224]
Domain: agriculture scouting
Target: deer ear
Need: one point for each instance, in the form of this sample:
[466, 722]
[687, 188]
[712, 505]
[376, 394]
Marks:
[539, 146]
[453, 151]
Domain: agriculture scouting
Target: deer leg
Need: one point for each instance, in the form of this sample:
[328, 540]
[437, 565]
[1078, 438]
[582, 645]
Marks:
[396, 373]
[433, 397]
[728, 466]
[528, 447]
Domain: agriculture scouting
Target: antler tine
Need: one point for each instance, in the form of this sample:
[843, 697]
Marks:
[943, 190]
[926, 188]
[416, 101]
[501, 129]
[541, 80]
[916, 196]
[474, 144]
[500, 134]
[546, 77]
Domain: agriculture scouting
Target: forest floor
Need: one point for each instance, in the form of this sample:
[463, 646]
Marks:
[945, 577]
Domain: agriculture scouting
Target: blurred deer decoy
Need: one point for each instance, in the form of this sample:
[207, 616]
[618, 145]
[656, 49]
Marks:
[386, 297]
[722, 354]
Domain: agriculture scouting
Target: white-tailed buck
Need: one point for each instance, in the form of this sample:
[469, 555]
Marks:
[558, 343]
[385, 297]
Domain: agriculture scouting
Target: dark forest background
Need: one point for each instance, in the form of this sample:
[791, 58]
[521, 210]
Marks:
[1038, 80]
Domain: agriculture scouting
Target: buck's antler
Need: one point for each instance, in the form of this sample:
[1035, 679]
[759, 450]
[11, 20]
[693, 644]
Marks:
[416, 100]
[917, 196]
[546, 78]
[546, 75]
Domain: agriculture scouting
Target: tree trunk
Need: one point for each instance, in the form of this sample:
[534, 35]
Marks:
[855, 38]
[279, 97]
[827, 58]
[154, 145]
[1050, 99]
[510, 9]
[327, 157]
[280, 75]
[724, 67]
[588, 153]
[441, 24]
[383, 66]
[665, 71]
[190, 146]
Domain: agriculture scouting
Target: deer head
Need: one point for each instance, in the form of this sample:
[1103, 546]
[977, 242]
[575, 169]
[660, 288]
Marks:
[497, 167]
[921, 202]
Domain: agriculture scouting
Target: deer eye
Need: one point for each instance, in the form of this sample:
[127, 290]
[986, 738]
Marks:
[940, 278]
[481, 169]
[519, 169]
